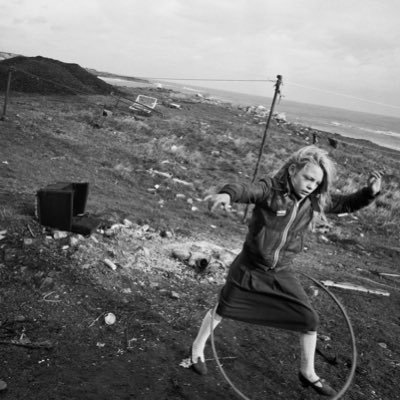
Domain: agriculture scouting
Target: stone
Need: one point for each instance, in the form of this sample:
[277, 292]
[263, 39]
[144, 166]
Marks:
[175, 295]
[48, 283]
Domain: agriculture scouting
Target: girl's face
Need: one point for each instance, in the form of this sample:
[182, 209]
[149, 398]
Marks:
[305, 180]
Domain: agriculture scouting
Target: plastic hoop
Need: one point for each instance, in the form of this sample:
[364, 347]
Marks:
[350, 377]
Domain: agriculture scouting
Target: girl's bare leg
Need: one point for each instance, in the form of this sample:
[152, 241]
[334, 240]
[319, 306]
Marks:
[308, 344]
[203, 335]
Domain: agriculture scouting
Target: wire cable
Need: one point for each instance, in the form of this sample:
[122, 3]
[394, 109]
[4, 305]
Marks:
[237, 80]
[351, 374]
[208, 79]
[344, 95]
[74, 90]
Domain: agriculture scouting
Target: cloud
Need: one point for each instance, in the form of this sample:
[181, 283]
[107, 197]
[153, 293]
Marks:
[37, 20]
[343, 45]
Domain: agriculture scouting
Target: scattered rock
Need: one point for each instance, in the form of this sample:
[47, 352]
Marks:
[205, 257]
[146, 252]
[312, 291]
[128, 223]
[73, 241]
[48, 283]
[60, 235]
[166, 234]
[110, 264]
[181, 254]
[324, 239]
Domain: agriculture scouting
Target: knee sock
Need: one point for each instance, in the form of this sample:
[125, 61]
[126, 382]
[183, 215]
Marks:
[203, 334]
[308, 343]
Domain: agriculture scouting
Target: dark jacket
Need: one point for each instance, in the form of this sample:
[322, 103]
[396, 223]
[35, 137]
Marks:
[279, 220]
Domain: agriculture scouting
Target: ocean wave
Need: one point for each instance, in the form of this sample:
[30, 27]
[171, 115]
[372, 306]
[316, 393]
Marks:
[193, 90]
[379, 132]
[106, 78]
[341, 124]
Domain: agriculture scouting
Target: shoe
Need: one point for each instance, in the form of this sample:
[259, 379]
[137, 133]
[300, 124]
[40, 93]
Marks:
[198, 366]
[324, 390]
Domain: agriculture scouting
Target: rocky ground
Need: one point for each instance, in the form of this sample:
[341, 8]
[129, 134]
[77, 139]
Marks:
[159, 257]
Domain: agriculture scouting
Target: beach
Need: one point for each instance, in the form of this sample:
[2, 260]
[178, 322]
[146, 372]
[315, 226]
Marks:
[379, 129]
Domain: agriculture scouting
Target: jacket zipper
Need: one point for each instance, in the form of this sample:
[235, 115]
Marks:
[284, 234]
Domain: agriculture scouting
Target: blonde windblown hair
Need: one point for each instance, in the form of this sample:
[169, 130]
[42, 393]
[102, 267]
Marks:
[314, 155]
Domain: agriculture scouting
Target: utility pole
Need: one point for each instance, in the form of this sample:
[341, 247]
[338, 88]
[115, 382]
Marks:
[277, 92]
[271, 111]
[10, 71]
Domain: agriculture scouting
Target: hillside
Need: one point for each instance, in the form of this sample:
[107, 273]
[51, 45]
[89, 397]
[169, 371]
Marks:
[146, 178]
[47, 76]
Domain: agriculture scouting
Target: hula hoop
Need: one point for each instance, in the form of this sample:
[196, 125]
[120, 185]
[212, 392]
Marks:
[350, 377]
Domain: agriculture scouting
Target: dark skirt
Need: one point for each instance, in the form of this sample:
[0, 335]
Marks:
[266, 297]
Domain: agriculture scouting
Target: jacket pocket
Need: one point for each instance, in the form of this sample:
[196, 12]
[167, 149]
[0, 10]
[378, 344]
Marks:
[295, 243]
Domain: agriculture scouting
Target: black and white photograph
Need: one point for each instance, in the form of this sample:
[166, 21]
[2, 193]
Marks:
[199, 200]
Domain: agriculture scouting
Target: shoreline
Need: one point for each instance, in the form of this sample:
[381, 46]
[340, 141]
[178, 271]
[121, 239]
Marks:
[388, 148]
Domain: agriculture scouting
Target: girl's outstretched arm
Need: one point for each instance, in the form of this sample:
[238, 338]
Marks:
[362, 198]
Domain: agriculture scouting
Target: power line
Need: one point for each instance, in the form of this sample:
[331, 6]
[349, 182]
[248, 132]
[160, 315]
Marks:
[273, 80]
[227, 80]
[344, 95]
[209, 79]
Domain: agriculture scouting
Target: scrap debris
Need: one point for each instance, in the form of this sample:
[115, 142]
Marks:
[46, 344]
[45, 298]
[110, 318]
[390, 275]
[95, 320]
[351, 286]
[110, 264]
[187, 362]
[167, 175]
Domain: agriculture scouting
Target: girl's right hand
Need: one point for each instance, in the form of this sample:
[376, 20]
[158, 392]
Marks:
[221, 199]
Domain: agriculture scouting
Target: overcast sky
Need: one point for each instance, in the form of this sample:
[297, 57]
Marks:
[343, 53]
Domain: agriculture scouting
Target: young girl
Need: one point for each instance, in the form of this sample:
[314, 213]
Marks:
[261, 286]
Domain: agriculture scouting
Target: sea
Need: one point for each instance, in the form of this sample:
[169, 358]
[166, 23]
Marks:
[379, 129]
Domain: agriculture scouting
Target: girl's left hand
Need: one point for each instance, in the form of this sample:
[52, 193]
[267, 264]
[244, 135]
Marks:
[375, 182]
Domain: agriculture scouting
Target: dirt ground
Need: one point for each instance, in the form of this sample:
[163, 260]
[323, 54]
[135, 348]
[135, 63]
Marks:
[55, 289]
